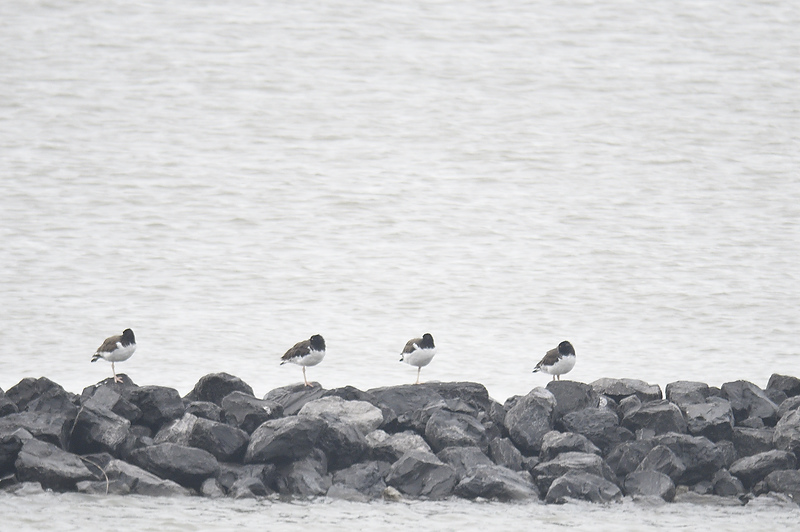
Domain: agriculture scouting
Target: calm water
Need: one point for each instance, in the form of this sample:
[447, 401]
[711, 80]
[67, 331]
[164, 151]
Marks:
[227, 178]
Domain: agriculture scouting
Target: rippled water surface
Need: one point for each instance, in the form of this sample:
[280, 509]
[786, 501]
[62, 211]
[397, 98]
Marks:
[227, 178]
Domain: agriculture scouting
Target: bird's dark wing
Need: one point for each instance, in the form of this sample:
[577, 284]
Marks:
[110, 344]
[549, 359]
[300, 349]
[411, 345]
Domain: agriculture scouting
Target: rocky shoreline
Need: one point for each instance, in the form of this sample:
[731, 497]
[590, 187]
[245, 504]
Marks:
[600, 442]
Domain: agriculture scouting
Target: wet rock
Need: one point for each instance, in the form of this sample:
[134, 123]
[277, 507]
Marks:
[107, 397]
[599, 425]
[662, 460]
[659, 416]
[390, 447]
[463, 459]
[420, 474]
[713, 419]
[496, 482]
[700, 456]
[158, 404]
[582, 486]
[343, 444]
[555, 443]
[752, 469]
[293, 397]
[248, 413]
[142, 482]
[28, 389]
[365, 479]
[188, 466]
[360, 414]
[307, 477]
[215, 386]
[49, 465]
[784, 481]
[726, 485]
[103, 487]
[546, 472]
[748, 400]
[225, 442]
[626, 457]
[411, 404]
[650, 484]
[10, 445]
[51, 428]
[453, 429]
[98, 429]
[248, 488]
[792, 403]
[288, 438]
[685, 393]
[618, 389]
[786, 436]
[530, 419]
[211, 489]
[752, 441]
[230, 474]
[205, 410]
[572, 396]
[786, 384]
[503, 453]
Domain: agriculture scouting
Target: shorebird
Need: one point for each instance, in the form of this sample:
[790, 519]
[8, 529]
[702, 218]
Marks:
[306, 353]
[557, 361]
[419, 352]
[116, 349]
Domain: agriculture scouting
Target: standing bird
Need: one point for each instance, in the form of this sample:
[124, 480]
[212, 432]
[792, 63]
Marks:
[419, 352]
[557, 361]
[116, 349]
[306, 353]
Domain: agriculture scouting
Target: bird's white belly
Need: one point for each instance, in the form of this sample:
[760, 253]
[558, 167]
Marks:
[420, 357]
[120, 353]
[311, 359]
[562, 366]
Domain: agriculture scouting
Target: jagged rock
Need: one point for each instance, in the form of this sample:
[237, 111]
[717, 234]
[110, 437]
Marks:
[343, 444]
[307, 477]
[248, 413]
[748, 400]
[51, 428]
[351, 393]
[248, 488]
[158, 404]
[365, 479]
[713, 419]
[10, 444]
[211, 489]
[225, 442]
[792, 403]
[752, 423]
[98, 429]
[650, 484]
[530, 419]
[205, 410]
[411, 405]
[618, 389]
[503, 453]
[109, 398]
[752, 441]
[628, 405]
[142, 482]
[360, 414]
[463, 459]
[230, 474]
[776, 396]
[728, 451]
[571, 396]
[472, 393]
[28, 389]
[786, 436]
[546, 472]
[496, 482]
[453, 429]
[784, 481]
[599, 425]
[700, 456]
[555, 443]
[788, 385]
[288, 438]
[102, 487]
[420, 474]
[626, 457]
[215, 386]
[390, 447]
[293, 397]
[685, 393]
[54, 400]
[52, 467]
[660, 416]
[704, 487]
[726, 485]
[752, 469]
[662, 460]
[187, 466]
[582, 486]
[7, 406]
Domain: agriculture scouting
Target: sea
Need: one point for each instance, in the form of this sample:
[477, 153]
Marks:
[227, 178]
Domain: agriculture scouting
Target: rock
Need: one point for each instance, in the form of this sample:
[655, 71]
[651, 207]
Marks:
[788, 385]
[187, 466]
[713, 419]
[307, 477]
[420, 474]
[792, 403]
[390, 447]
[225, 442]
[726, 485]
[351, 393]
[752, 441]
[786, 436]
[530, 419]
[215, 386]
[205, 410]
[704, 487]
[284, 439]
[685, 393]
[453, 429]
[51, 428]
[230, 474]
[748, 400]
[28, 389]
[293, 397]
[582, 486]
[248, 413]
[728, 451]
[700, 456]
[546, 472]
[142, 482]
[503, 453]
[248, 488]
[54, 400]
[463, 459]
[572, 396]
[471, 393]
[98, 429]
[776, 396]
[49, 465]
[365, 479]
[360, 414]
[599, 425]
[626, 457]
[7, 406]
[618, 389]
[411, 405]
[662, 460]
[496, 482]
[661, 416]
[108, 397]
[752, 469]
[629, 405]
[343, 444]
[211, 487]
[784, 481]
[10, 445]
[555, 443]
[650, 484]
[158, 404]
[102, 487]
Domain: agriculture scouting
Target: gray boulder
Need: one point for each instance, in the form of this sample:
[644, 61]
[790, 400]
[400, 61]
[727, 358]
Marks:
[7, 406]
[599, 425]
[582, 486]
[555, 443]
[248, 488]
[454, 429]
[158, 404]
[571, 396]
[54, 400]
[411, 405]
[752, 469]
[284, 439]
[471, 393]
[205, 410]
[463, 459]
[530, 419]
[649, 484]
[98, 429]
[496, 482]
[248, 413]
[215, 386]
[752, 441]
[390, 447]
[360, 414]
[660, 416]
[142, 482]
[786, 436]
[211, 488]
[51, 428]
[51, 466]
[700, 456]
[187, 466]
[713, 419]
[10, 445]
[293, 397]
[619, 389]
[225, 442]
[792, 403]
[662, 460]
[748, 400]
[784, 481]
[29, 389]
[364, 481]
[307, 477]
[726, 485]
[784, 383]
[108, 397]
[685, 393]
[419, 474]
[343, 444]
[546, 472]
[626, 457]
[235, 479]
[503, 453]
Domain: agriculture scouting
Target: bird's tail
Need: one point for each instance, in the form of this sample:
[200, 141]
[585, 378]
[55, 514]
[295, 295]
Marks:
[95, 357]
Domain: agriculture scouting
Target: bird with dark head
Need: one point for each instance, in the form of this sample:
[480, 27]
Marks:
[116, 349]
[419, 352]
[557, 361]
[306, 353]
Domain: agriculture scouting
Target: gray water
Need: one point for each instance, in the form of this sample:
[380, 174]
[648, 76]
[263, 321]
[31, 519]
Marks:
[228, 178]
